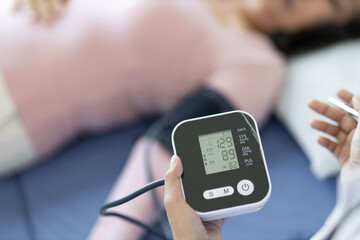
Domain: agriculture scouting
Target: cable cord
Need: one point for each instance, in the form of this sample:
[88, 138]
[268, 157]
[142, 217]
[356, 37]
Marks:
[151, 135]
[204, 98]
[129, 197]
[135, 194]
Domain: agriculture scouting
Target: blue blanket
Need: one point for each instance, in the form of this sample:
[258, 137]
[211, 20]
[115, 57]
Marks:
[60, 198]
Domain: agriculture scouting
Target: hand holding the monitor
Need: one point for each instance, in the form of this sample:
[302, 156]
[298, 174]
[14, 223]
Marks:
[184, 221]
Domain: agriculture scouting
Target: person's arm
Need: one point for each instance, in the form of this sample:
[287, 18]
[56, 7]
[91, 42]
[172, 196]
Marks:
[345, 145]
[184, 221]
[346, 130]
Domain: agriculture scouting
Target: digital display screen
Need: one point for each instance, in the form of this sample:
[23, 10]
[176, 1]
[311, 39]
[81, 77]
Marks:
[218, 152]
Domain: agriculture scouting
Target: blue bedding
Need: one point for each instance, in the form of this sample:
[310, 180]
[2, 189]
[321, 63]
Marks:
[60, 198]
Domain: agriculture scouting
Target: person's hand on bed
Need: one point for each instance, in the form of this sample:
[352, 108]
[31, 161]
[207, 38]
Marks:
[184, 221]
[345, 130]
[46, 11]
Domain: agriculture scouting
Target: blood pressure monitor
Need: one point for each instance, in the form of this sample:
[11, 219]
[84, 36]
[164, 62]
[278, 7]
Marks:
[225, 172]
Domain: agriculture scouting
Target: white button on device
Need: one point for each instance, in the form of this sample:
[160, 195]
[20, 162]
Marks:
[245, 187]
[218, 192]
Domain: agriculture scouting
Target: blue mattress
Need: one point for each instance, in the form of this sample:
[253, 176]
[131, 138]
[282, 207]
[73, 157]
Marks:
[60, 199]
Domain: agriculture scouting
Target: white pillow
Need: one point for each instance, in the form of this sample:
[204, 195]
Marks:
[316, 75]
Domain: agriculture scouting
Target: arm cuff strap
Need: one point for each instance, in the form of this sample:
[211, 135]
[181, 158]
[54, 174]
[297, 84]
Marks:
[204, 102]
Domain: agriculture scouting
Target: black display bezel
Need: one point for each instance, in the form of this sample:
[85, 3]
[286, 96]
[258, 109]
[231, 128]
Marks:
[194, 179]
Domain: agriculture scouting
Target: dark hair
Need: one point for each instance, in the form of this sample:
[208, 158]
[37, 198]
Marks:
[315, 38]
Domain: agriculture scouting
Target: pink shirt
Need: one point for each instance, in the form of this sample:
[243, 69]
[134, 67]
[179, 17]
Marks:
[110, 62]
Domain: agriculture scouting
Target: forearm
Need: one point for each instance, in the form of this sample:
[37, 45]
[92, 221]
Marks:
[142, 208]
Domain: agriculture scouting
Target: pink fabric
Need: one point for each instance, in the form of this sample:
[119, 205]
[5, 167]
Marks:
[107, 63]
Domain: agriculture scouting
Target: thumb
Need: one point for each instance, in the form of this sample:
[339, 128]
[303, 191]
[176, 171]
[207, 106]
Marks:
[173, 191]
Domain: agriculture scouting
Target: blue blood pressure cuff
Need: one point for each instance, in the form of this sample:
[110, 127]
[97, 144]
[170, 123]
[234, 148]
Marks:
[203, 102]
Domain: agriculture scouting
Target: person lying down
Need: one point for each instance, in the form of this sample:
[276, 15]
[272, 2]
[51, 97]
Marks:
[102, 65]
[108, 69]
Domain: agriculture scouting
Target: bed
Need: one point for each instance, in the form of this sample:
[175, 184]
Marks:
[60, 198]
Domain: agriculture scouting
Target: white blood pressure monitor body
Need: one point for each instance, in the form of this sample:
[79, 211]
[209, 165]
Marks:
[225, 172]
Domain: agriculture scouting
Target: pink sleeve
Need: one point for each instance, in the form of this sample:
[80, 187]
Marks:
[250, 73]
